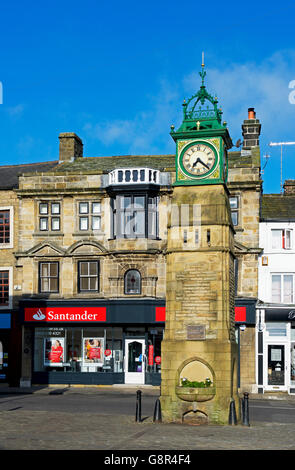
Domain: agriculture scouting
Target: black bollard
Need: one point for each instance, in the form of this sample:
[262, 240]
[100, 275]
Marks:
[245, 410]
[138, 406]
[232, 419]
[157, 412]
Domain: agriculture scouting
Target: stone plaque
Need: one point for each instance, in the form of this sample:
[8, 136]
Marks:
[195, 332]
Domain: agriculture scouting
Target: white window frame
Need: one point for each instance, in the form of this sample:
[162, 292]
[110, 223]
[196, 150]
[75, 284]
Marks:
[49, 216]
[11, 225]
[282, 281]
[235, 210]
[286, 239]
[88, 217]
[10, 288]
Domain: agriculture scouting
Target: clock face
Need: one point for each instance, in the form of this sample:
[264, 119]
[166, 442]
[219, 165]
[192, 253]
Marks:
[199, 159]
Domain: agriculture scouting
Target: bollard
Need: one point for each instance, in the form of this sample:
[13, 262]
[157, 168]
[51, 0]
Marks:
[138, 406]
[245, 410]
[157, 412]
[232, 419]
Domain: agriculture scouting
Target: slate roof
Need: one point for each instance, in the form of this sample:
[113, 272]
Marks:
[106, 164]
[277, 207]
[9, 174]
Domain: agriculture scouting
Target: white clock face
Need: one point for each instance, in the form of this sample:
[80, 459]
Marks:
[199, 159]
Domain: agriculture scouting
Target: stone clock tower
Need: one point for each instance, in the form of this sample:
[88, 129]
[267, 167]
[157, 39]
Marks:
[199, 344]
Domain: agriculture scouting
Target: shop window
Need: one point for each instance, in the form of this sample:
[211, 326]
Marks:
[49, 216]
[276, 329]
[75, 349]
[88, 276]
[281, 239]
[4, 288]
[48, 277]
[154, 358]
[135, 216]
[89, 215]
[234, 206]
[132, 282]
[282, 288]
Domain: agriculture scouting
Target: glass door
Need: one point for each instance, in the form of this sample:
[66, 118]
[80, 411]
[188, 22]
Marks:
[277, 367]
[134, 361]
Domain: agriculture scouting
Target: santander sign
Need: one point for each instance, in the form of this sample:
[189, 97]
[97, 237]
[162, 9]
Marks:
[65, 314]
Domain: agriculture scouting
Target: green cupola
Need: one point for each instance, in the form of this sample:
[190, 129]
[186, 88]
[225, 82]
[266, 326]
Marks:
[202, 140]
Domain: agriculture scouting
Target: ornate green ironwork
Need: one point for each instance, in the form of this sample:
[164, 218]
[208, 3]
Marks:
[198, 117]
[202, 121]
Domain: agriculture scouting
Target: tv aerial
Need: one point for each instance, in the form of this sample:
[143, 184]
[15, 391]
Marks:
[281, 144]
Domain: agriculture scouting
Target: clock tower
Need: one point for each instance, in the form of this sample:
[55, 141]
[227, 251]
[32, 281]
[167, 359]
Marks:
[199, 350]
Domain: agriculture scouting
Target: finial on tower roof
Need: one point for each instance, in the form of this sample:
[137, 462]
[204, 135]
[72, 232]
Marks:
[202, 73]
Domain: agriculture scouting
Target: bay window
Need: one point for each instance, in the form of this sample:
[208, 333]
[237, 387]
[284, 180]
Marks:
[135, 216]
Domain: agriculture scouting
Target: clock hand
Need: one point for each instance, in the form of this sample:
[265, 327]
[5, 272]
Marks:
[197, 161]
[202, 163]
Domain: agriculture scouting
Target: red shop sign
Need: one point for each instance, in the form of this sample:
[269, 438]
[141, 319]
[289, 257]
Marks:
[107, 352]
[158, 359]
[151, 355]
[65, 314]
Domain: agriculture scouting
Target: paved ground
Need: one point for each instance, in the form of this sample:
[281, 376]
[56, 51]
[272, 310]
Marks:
[37, 429]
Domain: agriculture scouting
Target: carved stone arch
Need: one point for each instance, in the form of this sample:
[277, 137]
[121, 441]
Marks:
[127, 266]
[40, 248]
[71, 250]
[195, 369]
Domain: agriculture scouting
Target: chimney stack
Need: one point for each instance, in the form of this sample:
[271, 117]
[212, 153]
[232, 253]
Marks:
[251, 130]
[70, 147]
[289, 187]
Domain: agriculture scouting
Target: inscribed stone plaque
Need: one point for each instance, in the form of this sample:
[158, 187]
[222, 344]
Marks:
[195, 332]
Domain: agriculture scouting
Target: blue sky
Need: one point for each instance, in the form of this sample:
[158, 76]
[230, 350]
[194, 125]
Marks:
[116, 73]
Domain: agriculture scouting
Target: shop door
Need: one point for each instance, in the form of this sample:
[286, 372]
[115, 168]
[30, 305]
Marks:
[134, 361]
[3, 358]
[277, 367]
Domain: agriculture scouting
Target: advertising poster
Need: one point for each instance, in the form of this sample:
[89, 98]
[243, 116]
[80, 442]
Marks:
[93, 351]
[54, 351]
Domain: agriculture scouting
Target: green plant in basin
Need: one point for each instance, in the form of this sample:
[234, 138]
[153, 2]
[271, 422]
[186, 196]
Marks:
[194, 384]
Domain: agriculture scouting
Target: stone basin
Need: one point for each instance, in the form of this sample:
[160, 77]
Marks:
[195, 394]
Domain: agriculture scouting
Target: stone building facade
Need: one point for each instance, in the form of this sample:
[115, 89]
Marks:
[88, 262]
[245, 186]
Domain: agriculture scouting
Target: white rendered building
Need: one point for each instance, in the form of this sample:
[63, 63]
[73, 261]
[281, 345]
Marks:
[275, 319]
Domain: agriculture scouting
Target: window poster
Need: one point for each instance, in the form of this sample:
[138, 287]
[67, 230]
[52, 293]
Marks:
[93, 351]
[54, 351]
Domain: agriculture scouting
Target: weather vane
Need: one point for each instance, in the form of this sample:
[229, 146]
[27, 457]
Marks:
[203, 73]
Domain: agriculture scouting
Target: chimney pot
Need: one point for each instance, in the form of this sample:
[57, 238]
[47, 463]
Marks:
[251, 113]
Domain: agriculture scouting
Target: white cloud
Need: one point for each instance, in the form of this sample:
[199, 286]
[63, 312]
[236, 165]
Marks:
[264, 86]
[15, 111]
[148, 131]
